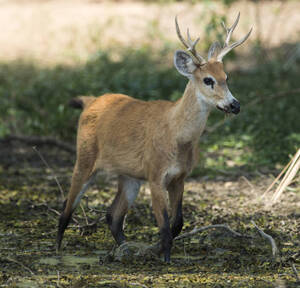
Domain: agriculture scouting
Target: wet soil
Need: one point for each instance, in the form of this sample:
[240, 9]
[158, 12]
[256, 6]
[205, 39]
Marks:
[30, 199]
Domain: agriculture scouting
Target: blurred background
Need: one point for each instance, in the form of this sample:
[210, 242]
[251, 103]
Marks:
[54, 50]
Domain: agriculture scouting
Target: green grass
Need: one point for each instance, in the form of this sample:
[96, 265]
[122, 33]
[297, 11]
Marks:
[33, 100]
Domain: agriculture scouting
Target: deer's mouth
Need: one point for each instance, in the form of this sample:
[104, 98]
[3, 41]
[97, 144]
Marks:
[225, 109]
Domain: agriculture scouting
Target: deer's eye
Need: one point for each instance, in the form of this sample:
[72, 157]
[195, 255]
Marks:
[209, 82]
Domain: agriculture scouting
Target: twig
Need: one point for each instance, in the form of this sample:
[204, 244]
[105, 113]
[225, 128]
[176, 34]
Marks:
[56, 212]
[46, 205]
[90, 228]
[51, 170]
[88, 225]
[21, 264]
[40, 140]
[98, 219]
[269, 238]
[201, 229]
[84, 214]
[248, 182]
[295, 272]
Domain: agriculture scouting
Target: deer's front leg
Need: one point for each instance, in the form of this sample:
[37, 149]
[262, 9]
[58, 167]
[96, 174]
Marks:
[159, 205]
[175, 189]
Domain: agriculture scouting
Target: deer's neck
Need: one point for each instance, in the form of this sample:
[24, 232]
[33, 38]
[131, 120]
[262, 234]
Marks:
[189, 115]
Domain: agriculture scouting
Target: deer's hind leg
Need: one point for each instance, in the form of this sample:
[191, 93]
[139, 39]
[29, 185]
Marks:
[83, 174]
[128, 189]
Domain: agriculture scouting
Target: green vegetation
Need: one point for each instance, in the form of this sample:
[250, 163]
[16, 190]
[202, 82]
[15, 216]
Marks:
[33, 100]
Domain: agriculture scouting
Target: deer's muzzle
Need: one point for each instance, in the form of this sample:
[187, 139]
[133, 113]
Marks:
[235, 106]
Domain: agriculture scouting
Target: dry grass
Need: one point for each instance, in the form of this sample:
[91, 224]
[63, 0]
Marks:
[290, 171]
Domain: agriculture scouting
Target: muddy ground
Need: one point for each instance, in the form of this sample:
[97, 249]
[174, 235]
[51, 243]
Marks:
[30, 199]
[69, 32]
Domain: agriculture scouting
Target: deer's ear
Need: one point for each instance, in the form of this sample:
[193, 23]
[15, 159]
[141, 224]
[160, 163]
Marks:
[184, 63]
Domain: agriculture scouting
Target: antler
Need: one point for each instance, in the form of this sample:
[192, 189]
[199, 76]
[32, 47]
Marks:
[189, 44]
[229, 32]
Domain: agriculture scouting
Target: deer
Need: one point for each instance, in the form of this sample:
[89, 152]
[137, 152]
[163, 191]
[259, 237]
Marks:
[154, 141]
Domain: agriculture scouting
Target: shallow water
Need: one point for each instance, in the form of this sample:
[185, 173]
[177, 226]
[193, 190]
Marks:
[70, 260]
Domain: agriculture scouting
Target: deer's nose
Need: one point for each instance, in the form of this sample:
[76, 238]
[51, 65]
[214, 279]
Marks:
[235, 106]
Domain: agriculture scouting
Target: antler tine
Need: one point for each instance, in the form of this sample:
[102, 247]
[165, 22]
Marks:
[192, 44]
[233, 45]
[179, 34]
[229, 32]
[189, 44]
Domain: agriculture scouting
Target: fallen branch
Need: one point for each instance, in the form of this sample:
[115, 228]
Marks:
[269, 238]
[19, 263]
[40, 140]
[201, 229]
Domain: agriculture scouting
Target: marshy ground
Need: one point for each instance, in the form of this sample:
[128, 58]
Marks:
[52, 51]
[30, 198]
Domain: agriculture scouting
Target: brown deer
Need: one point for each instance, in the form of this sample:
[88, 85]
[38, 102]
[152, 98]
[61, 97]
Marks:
[155, 141]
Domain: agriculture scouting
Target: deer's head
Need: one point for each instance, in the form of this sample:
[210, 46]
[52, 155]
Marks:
[209, 76]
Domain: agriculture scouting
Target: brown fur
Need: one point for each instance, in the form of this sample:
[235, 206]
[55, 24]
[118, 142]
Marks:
[155, 141]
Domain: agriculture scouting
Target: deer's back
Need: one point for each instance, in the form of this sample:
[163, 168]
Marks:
[127, 131]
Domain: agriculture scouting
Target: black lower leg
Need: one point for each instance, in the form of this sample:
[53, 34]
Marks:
[116, 227]
[177, 221]
[166, 238]
[62, 225]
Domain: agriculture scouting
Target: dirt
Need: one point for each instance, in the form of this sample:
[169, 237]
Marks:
[30, 199]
